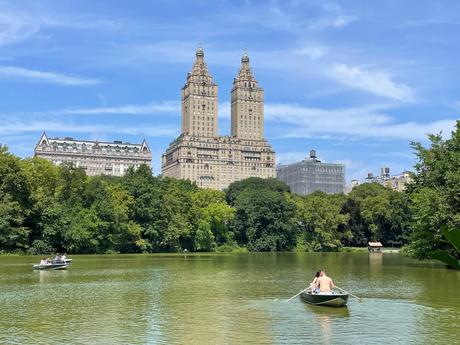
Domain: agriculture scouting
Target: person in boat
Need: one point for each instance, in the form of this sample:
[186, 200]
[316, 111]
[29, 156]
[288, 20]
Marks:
[57, 259]
[314, 284]
[325, 284]
[44, 262]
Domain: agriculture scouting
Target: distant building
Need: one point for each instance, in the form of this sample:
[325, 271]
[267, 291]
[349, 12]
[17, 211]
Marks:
[310, 175]
[95, 157]
[349, 187]
[399, 182]
[354, 183]
[395, 182]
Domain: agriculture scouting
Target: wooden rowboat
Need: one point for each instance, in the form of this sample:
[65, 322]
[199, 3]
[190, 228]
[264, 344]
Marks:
[332, 300]
[51, 267]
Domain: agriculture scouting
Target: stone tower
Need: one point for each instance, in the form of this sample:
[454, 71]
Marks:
[199, 101]
[247, 104]
[203, 156]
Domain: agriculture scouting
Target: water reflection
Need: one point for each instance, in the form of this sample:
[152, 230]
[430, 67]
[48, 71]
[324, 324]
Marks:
[335, 313]
[225, 299]
[46, 277]
[375, 260]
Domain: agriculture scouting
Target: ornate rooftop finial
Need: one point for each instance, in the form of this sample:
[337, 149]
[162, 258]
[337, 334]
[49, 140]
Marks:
[245, 57]
[199, 51]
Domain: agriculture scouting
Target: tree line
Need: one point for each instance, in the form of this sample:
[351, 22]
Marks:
[46, 208]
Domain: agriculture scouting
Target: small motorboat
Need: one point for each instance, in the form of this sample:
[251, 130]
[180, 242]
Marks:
[332, 300]
[62, 261]
[51, 267]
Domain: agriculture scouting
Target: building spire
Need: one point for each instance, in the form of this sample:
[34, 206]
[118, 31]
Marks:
[245, 58]
[199, 53]
[199, 68]
[245, 73]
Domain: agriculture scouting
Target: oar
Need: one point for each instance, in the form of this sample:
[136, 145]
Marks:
[296, 295]
[359, 299]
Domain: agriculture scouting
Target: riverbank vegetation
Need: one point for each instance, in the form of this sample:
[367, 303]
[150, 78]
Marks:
[435, 200]
[46, 208]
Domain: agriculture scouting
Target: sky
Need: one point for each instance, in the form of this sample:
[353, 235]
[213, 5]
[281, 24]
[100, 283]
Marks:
[355, 80]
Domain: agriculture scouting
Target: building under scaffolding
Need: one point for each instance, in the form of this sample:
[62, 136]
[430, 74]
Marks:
[310, 175]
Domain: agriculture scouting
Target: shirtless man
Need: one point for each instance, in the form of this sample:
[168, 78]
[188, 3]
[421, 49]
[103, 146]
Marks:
[325, 284]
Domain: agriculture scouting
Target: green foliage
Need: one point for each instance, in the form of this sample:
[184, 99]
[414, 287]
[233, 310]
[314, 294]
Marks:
[263, 220]
[435, 197]
[254, 183]
[13, 235]
[452, 235]
[15, 203]
[377, 213]
[445, 256]
[319, 219]
[46, 208]
[215, 216]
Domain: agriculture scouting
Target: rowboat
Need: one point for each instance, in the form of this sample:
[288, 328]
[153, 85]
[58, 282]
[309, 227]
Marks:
[332, 300]
[50, 267]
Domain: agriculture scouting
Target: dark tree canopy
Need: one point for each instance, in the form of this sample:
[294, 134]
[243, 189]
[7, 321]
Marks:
[254, 183]
[46, 208]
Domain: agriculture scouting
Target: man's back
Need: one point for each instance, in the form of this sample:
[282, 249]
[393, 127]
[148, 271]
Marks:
[325, 284]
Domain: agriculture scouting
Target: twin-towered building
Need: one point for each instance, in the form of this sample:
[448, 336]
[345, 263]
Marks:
[200, 154]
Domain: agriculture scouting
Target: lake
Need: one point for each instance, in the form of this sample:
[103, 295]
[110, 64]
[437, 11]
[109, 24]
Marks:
[226, 299]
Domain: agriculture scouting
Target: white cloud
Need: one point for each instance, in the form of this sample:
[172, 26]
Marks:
[343, 20]
[19, 24]
[326, 22]
[46, 77]
[15, 27]
[349, 123]
[8, 127]
[371, 121]
[150, 108]
[283, 120]
[290, 157]
[376, 82]
[225, 110]
[313, 51]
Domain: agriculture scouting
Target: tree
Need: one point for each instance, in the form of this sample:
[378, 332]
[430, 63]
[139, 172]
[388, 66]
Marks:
[377, 213]
[214, 217]
[435, 195]
[43, 179]
[254, 183]
[146, 191]
[263, 220]
[15, 203]
[319, 218]
[13, 235]
[177, 220]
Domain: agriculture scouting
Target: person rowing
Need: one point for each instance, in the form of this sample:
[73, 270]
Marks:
[325, 284]
[314, 284]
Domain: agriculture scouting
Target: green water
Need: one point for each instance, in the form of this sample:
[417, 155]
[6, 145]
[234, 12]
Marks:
[226, 299]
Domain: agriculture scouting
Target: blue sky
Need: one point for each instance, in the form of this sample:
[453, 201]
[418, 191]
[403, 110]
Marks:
[355, 80]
